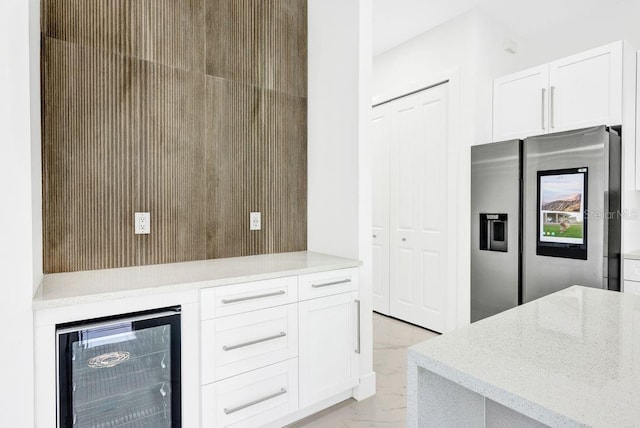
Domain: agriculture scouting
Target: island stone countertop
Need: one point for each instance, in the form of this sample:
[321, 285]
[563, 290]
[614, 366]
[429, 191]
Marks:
[63, 289]
[632, 255]
[570, 359]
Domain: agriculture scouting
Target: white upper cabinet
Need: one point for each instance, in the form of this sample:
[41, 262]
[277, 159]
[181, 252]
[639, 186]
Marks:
[520, 104]
[574, 92]
[586, 89]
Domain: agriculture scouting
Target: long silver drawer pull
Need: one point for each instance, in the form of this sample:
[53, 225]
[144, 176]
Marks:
[326, 284]
[358, 315]
[229, 410]
[253, 342]
[259, 296]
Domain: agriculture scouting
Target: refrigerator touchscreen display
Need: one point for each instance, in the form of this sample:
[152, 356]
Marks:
[562, 200]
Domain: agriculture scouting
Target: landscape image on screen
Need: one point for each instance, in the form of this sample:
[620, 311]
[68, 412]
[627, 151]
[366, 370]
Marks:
[562, 208]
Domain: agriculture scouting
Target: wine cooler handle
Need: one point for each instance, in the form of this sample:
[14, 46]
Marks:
[229, 410]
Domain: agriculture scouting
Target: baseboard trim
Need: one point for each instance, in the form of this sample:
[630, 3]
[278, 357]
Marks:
[366, 388]
[303, 413]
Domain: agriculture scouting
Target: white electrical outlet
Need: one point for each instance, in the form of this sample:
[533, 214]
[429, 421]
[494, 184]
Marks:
[142, 223]
[255, 222]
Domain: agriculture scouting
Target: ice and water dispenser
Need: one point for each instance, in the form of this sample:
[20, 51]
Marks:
[493, 232]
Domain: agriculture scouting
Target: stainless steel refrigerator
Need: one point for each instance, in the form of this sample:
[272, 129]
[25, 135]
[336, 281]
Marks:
[545, 215]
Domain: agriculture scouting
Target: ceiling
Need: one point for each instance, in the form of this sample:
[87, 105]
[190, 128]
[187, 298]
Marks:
[396, 21]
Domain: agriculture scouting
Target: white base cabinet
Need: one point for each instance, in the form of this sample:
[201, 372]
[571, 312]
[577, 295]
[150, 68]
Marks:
[329, 346]
[631, 269]
[244, 342]
[271, 348]
[252, 399]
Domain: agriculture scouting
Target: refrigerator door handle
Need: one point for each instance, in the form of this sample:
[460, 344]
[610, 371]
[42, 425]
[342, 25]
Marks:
[544, 90]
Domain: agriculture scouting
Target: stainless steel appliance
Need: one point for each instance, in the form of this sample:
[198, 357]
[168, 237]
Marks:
[545, 215]
[122, 371]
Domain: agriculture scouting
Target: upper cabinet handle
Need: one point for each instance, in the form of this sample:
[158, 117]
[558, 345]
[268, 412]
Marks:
[542, 104]
[326, 284]
[259, 296]
[551, 107]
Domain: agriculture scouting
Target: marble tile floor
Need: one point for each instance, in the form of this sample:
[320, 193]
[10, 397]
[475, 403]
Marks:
[388, 407]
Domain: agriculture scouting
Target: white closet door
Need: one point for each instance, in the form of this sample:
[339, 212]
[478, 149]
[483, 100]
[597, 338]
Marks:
[418, 208]
[381, 133]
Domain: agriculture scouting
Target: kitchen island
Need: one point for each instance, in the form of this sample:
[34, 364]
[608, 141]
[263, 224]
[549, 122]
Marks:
[570, 359]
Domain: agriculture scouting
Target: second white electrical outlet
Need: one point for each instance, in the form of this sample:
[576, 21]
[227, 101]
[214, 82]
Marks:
[255, 221]
[142, 223]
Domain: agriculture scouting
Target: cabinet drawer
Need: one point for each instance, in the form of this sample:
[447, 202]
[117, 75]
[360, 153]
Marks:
[252, 399]
[632, 287]
[240, 343]
[250, 296]
[322, 284]
[631, 270]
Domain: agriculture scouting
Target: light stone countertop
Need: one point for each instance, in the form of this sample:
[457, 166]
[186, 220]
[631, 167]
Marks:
[633, 255]
[568, 359]
[66, 289]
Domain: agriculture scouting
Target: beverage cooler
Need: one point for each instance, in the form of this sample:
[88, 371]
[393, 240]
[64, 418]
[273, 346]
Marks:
[120, 372]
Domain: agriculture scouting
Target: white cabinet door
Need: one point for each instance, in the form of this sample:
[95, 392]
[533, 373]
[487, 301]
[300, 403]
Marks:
[422, 217]
[520, 104]
[380, 154]
[586, 89]
[252, 399]
[244, 342]
[328, 361]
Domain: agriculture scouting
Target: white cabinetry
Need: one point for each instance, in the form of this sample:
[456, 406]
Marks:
[520, 104]
[252, 399]
[249, 345]
[270, 348]
[328, 347]
[631, 271]
[574, 92]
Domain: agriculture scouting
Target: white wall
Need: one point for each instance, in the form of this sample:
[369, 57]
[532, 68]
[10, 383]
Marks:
[20, 258]
[594, 27]
[339, 166]
[472, 44]
[333, 90]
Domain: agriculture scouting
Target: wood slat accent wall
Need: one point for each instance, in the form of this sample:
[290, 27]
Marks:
[193, 110]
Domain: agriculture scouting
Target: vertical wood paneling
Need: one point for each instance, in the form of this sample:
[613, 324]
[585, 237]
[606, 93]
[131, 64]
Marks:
[256, 161]
[284, 190]
[170, 164]
[121, 135]
[232, 174]
[193, 110]
[90, 128]
[262, 43]
[169, 32]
